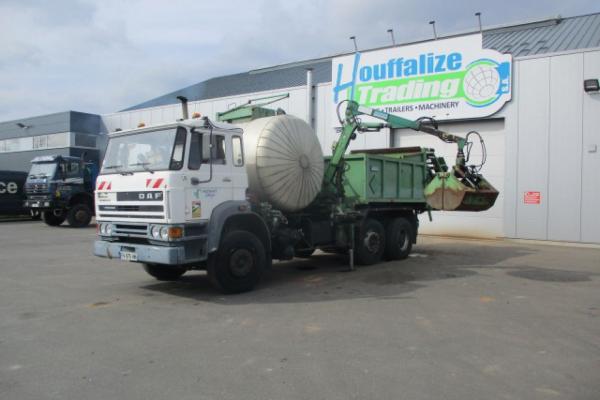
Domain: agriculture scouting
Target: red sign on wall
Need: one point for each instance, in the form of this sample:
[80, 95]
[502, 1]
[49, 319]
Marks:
[532, 198]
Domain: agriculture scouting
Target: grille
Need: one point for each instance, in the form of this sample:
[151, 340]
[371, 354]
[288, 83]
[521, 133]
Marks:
[131, 230]
[37, 188]
[130, 208]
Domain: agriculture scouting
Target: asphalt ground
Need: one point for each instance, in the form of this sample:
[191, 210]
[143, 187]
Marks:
[460, 319]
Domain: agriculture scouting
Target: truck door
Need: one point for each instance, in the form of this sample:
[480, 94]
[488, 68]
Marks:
[210, 178]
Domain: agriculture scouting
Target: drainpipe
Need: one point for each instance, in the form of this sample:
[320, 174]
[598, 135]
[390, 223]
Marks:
[184, 106]
[310, 95]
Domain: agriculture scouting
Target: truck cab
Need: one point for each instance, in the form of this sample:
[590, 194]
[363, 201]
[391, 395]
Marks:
[61, 187]
[163, 191]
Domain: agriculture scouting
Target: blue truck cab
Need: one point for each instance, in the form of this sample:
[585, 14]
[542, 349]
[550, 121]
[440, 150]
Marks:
[62, 188]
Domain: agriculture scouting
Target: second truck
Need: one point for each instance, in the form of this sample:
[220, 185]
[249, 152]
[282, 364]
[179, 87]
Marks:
[198, 194]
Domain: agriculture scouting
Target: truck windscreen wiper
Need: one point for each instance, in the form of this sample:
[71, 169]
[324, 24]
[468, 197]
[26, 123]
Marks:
[143, 165]
[117, 166]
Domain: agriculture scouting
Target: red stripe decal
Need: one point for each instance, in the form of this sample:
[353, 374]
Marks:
[109, 186]
[157, 183]
[148, 182]
[101, 185]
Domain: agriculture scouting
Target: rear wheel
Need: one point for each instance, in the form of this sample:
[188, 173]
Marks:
[79, 215]
[399, 236]
[238, 264]
[164, 272]
[51, 219]
[370, 242]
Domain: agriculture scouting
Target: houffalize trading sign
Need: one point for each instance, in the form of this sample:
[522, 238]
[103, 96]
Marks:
[447, 79]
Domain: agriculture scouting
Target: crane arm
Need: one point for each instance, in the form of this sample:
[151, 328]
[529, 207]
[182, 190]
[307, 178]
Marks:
[351, 124]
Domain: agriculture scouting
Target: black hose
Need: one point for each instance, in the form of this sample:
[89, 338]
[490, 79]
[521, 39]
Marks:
[469, 144]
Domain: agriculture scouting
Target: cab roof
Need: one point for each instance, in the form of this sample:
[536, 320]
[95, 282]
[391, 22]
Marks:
[187, 123]
[54, 158]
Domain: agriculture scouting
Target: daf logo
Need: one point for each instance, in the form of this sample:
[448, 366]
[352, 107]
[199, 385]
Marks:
[10, 187]
[150, 195]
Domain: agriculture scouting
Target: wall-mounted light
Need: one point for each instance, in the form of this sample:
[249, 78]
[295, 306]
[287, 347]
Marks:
[591, 85]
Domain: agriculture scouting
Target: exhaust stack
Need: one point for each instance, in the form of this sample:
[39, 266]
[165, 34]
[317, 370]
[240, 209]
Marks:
[184, 106]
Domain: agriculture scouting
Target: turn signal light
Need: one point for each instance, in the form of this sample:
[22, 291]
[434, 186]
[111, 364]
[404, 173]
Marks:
[141, 125]
[196, 115]
[175, 232]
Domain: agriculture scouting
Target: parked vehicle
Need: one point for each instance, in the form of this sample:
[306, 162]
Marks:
[197, 194]
[12, 194]
[61, 188]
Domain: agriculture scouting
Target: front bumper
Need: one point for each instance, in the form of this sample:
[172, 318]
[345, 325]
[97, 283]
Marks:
[145, 253]
[40, 204]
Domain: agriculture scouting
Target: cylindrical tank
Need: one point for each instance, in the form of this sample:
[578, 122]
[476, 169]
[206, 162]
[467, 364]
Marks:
[284, 161]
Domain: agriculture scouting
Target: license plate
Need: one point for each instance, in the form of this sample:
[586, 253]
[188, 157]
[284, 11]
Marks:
[35, 204]
[128, 256]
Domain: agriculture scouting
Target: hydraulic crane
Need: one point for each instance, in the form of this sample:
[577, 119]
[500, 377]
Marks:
[462, 188]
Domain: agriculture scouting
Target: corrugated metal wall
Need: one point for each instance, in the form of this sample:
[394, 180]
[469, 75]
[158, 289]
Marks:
[552, 128]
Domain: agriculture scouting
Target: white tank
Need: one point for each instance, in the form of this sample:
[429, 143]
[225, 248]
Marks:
[284, 161]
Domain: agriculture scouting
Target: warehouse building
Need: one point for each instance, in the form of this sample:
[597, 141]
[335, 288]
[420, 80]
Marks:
[540, 121]
[67, 133]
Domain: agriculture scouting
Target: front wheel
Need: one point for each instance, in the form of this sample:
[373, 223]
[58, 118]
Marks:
[164, 272]
[51, 219]
[79, 216]
[370, 242]
[238, 264]
[398, 239]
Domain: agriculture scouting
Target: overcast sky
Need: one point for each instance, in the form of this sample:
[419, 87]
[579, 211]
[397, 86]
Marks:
[103, 56]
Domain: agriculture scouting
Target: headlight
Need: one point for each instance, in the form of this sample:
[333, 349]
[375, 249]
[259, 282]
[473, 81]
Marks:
[105, 229]
[164, 233]
[155, 232]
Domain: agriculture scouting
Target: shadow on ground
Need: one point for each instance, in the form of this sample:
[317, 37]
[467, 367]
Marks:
[322, 277]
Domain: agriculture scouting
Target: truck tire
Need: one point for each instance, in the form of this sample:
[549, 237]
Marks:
[370, 242]
[52, 220]
[79, 215]
[238, 264]
[399, 234]
[164, 272]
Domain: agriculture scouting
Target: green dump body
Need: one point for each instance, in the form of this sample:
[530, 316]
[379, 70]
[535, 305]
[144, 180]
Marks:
[386, 176]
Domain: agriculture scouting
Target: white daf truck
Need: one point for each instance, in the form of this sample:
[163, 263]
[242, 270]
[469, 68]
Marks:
[197, 194]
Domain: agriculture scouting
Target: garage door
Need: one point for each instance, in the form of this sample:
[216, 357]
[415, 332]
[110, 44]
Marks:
[487, 224]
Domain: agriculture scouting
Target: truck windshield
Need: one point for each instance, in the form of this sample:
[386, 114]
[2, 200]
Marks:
[147, 151]
[42, 170]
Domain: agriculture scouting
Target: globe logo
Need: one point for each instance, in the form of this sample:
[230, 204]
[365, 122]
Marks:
[481, 83]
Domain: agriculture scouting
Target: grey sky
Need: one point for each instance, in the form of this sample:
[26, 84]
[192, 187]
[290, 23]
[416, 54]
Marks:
[103, 56]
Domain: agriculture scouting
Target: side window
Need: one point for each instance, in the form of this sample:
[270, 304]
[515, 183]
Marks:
[178, 149]
[196, 154]
[218, 153]
[73, 169]
[238, 151]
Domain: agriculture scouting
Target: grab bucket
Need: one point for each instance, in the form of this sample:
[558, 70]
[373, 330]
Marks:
[447, 192]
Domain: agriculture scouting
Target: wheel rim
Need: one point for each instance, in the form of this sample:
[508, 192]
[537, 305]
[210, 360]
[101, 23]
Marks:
[80, 215]
[372, 242]
[403, 240]
[241, 262]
